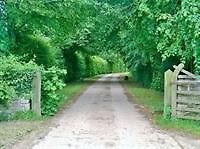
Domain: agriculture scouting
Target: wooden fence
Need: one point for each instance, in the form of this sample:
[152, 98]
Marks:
[182, 94]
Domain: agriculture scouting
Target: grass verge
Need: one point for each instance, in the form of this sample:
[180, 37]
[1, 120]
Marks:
[72, 90]
[153, 103]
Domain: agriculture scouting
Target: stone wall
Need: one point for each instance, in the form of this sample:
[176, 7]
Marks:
[20, 104]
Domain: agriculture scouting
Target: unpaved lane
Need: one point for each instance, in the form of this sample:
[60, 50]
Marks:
[103, 118]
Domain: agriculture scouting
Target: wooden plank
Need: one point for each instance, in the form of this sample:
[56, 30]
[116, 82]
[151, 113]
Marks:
[188, 117]
[186, 82]
[183, 88]
[179, 67]
[188, 73]
[195, 87]
[192, 93]
[188, 101]
[183, 77]
[189, 87]
[196, 110]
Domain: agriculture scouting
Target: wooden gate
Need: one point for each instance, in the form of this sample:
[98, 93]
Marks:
[182, 94]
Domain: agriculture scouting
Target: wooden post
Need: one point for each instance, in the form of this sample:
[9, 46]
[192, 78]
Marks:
[167, 93]
[36, 100]
[174, 88]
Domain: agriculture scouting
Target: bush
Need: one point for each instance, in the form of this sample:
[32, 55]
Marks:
[95, 65]
[15, 78]
[35, 46]
[52, 79]
[6, 93]
[16, 81]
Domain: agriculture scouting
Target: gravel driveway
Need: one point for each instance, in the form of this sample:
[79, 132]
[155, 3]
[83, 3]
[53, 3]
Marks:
[103, 118]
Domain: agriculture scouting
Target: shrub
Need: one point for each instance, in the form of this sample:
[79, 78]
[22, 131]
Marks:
[95, 65]
[15, 78]
[35, 46]
[6, 93]
[52, 80]
[16, 81]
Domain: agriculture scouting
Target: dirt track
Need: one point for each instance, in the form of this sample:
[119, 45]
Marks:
[102, 118]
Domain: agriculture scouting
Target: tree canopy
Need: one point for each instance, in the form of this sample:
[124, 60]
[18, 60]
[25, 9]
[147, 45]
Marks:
[149, 36]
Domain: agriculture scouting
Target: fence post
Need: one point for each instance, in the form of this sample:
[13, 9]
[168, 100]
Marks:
[36, 100]
[167, 93]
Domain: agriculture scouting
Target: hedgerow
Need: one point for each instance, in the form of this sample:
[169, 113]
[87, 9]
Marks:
[16, 82]
[16, 78]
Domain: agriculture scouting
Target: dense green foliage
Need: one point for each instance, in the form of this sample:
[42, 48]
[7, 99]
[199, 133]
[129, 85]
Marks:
[4, 41]
[52, 81]
[152, 36]
[159, 34]
[15, 78]
[90, 37]
[59, 33]
[16, 82]
[49, 36]
[35, 47]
